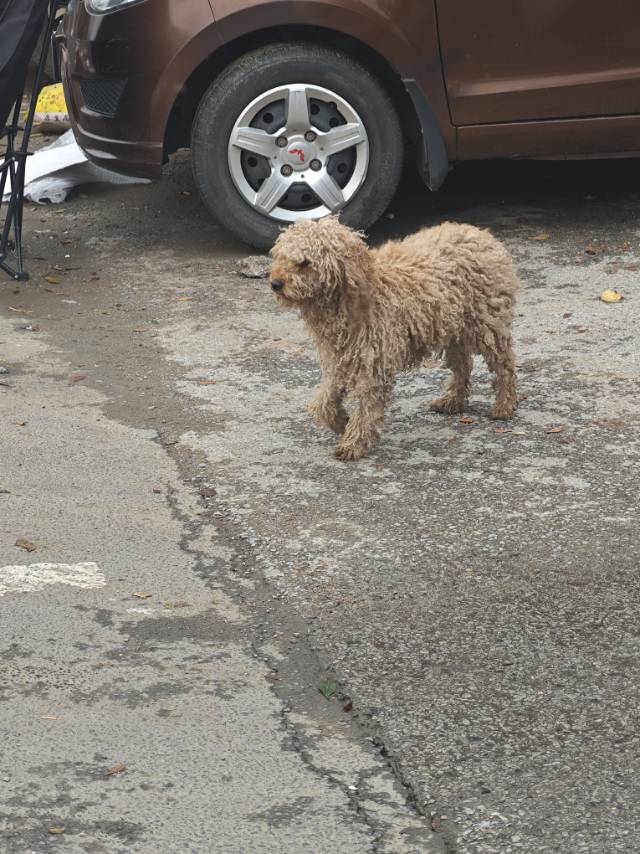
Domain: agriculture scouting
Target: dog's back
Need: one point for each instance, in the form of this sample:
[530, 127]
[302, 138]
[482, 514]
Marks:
[451, 250]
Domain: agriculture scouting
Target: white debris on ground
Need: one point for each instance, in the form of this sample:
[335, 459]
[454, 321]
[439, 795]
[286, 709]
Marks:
[53, 171]
[31, 578]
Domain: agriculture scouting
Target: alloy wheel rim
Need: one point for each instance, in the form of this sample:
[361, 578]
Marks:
[298, 152]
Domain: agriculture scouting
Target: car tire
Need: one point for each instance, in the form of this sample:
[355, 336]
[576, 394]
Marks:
[319, 71]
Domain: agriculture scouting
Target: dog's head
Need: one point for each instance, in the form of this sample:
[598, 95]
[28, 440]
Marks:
[321, 263]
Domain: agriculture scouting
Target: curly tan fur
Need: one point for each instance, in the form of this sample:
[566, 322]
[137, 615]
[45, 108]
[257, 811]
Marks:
[375, 313]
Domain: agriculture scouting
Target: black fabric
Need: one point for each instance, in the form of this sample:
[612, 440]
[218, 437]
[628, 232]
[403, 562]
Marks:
[21, 22]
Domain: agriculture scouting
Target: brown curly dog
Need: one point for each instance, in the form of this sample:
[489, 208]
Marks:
[375, 313]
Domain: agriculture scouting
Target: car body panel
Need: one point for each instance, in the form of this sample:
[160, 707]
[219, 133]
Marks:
[613, 136]
[522, 60]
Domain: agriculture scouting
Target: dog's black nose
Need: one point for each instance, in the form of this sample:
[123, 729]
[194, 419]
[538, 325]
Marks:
[277, 284]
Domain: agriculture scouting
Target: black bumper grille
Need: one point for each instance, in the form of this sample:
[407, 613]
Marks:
[102, 94]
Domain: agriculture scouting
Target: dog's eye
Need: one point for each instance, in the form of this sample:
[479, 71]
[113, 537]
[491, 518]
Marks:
[305, 263]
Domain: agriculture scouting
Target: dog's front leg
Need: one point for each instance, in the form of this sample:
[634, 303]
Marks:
[326, 407]
[363, 430]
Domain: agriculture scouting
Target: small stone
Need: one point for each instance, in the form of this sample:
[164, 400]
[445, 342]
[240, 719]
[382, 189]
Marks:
[255, 267]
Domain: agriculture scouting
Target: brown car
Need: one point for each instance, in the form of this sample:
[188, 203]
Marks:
[300, 108]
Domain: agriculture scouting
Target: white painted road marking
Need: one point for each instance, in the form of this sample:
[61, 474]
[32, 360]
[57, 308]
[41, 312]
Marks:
[35, 576]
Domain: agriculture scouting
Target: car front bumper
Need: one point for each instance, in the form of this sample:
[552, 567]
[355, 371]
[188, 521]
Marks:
[119, 81]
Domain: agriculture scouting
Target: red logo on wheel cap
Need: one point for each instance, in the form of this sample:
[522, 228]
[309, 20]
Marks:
[299, 152]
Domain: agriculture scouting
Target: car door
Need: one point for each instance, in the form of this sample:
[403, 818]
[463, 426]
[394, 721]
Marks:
[518, 60]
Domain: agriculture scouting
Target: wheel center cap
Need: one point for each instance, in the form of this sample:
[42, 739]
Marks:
[300, 153]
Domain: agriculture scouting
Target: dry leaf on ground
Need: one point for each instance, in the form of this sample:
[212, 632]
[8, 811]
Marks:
[554, 429]
[25, 544]
[142, 595]
[118, 768]
[542, 236]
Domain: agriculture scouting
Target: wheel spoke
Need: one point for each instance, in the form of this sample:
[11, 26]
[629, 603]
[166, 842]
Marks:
[326, 190]
[271, 191]
[297, 110]
[341, 137]
[253, 139]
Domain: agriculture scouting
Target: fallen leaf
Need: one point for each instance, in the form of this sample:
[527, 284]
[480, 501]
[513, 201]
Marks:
[118, 768]
[208, 492]
[611, 296]
[76, 378]
[467, 419]
[19, 310]
[21, 423]
[67, 242]
[504, 430]
[328, 689]
[542, 236]
[53, 280]
[49, 718]
[554, 430]
[25, 544]
[142, 595]
[56, 830]
[207, 382]
[181, 299]
[139, 328]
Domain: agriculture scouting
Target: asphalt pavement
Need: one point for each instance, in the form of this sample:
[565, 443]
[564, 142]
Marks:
[432, 650]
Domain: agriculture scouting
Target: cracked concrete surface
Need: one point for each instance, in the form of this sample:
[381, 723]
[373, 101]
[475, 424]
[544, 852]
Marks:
[473, 592]
[156, 671]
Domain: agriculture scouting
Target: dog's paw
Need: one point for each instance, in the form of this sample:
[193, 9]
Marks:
[502, 413]
[447, 405]
[349, 453]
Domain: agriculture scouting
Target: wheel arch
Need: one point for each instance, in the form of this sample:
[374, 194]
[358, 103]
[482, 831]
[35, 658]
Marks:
[418, 121]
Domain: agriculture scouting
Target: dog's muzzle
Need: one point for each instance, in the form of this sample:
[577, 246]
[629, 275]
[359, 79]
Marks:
[277, 285]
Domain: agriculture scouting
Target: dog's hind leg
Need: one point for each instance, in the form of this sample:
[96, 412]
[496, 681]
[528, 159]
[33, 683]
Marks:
[363, 429]
[502, 362]
[459, 361]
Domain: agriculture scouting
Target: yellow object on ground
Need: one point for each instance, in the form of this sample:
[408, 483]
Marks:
[611, 296]
[52, 114]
